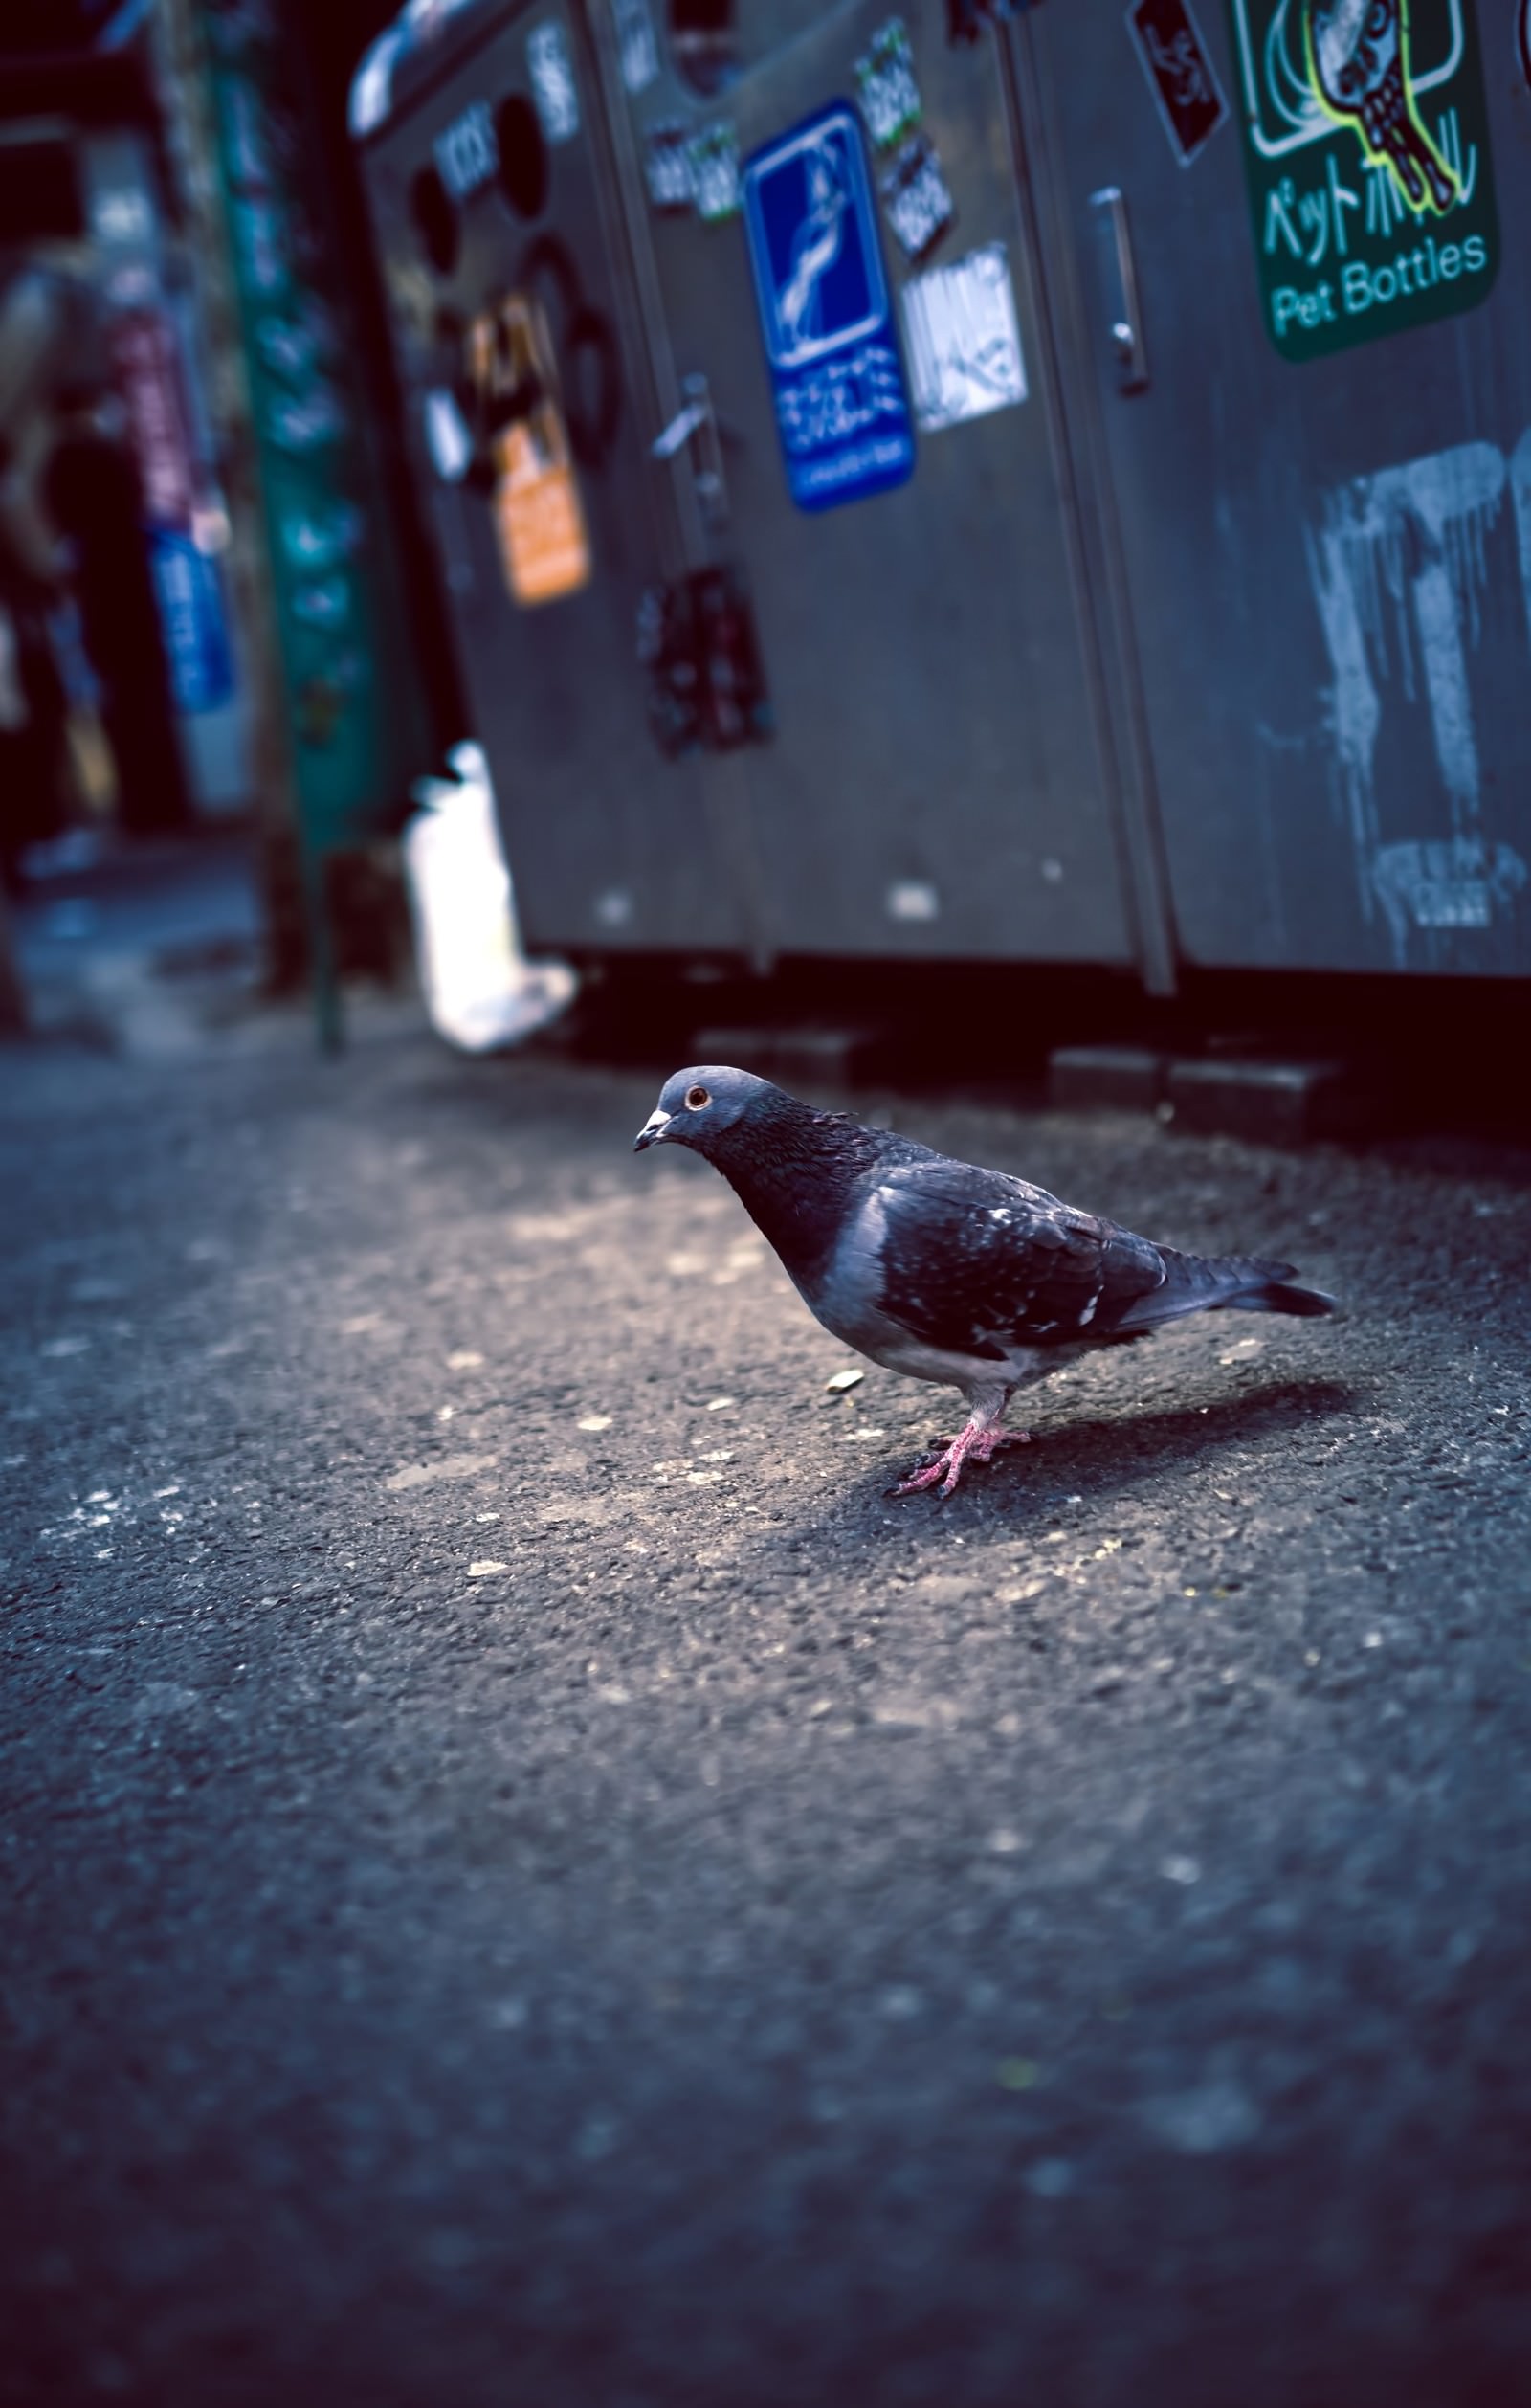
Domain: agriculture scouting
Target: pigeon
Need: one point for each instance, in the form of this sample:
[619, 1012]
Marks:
[939, 1268]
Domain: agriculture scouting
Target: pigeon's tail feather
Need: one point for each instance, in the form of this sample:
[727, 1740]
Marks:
[1237, 1283]
[1282, 1296]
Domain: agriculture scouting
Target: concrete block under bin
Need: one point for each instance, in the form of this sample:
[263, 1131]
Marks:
[1104, 1078]
[791, 1057]
[1268, 1102]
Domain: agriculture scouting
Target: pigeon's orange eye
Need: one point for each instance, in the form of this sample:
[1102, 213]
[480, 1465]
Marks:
[696, 1099]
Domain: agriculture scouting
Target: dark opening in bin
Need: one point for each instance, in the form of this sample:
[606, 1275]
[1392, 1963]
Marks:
[435, 220]
[522, 156]
[704, 44]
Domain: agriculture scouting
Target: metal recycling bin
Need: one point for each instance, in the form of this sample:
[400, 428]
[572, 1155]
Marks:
[1323, 495]
[499, 227]
[921, 776]
[922, 487]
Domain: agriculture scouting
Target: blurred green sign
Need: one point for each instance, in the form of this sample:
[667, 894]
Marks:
[357, 717]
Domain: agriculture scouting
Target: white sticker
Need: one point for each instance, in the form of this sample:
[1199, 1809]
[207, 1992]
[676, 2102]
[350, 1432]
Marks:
[467, 153]
[964, 345]
[553, 88]
[667, 166]
[637, 47]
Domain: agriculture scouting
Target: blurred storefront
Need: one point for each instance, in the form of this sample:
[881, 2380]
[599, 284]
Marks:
[114, 519]
[202, 575]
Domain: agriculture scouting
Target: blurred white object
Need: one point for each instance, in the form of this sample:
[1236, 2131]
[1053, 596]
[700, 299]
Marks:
[447, 438]
[479, 989]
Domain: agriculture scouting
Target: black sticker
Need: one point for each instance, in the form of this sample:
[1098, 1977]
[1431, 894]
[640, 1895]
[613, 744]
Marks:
[914, 193]
[667, 169]
[1180, 73]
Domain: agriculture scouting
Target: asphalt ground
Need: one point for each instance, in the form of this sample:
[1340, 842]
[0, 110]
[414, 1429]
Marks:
[525, 1879]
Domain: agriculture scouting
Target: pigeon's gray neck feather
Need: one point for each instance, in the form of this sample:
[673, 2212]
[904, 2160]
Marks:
[796, 1172]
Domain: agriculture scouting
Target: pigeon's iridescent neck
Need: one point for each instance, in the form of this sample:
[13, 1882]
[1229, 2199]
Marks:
[795, 1171]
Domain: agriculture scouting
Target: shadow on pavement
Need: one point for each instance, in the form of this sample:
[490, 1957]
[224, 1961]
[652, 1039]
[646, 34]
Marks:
[1100, 1457]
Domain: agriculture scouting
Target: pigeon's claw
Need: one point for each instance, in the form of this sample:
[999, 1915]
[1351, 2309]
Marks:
[981, 1441]
[924, 1476]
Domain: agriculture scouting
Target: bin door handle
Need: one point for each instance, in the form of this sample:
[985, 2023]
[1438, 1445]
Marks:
[695, 430]
[680, 430]
[1119, 277]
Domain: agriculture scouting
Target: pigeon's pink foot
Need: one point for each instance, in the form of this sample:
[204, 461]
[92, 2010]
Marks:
[982, 1445]
[985, 1449]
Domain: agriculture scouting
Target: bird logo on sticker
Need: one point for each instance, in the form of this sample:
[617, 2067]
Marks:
[816, 244]
[1359, 67]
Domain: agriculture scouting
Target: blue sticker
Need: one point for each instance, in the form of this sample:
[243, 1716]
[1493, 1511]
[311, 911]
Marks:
[191, 616]
[842, 408]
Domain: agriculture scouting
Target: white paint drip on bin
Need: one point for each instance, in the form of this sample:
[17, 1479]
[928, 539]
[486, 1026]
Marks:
[1403, 555]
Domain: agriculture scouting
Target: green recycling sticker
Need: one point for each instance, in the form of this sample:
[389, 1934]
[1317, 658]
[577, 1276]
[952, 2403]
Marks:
[1367, 144]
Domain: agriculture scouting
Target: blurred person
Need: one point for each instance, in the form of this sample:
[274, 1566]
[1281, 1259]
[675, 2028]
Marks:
[34, 710]
[43, 318]
[92, 497]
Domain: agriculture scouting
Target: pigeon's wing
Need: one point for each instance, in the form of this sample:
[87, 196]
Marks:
[975, 1262]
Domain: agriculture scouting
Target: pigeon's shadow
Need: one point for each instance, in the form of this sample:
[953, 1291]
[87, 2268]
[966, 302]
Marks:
[1098, 1457]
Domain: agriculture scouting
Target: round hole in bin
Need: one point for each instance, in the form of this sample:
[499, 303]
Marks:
[435, 220]
[522, 156]
[704, 44]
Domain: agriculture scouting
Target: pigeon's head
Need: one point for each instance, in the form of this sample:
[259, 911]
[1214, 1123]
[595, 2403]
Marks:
[697, 1107]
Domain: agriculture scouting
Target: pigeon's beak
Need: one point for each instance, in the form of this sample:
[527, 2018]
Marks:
[652, 1130]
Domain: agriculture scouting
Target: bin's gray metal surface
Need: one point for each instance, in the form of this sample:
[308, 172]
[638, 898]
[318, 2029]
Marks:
[1327, 561]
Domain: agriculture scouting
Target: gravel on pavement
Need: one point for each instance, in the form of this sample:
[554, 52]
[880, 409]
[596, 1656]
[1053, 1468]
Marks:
[526, 1878]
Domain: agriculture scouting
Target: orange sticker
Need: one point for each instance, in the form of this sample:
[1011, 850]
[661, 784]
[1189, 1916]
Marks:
[538, 518]
[545, 547]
